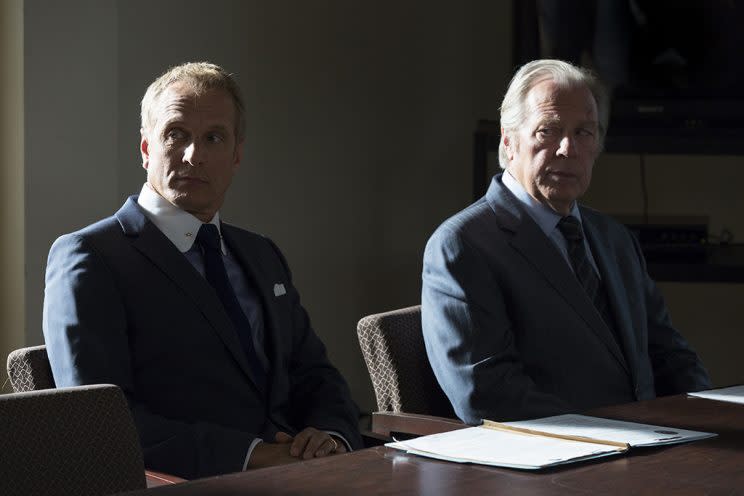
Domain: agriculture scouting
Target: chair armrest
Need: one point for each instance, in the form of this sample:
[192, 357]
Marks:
[371, 439]
[155, 479]
[385, 423]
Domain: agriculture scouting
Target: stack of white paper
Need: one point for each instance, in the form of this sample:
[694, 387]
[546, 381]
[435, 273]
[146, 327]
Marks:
[733, 394]
[546, 444]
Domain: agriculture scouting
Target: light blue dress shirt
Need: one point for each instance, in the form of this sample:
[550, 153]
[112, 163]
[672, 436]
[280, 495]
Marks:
[547, 219]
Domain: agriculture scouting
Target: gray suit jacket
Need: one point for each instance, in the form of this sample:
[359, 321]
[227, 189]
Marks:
[511, 334]
[124, 306]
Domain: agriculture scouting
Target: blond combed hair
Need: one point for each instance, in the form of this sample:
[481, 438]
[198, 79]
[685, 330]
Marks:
[200, 77]
[514, 105]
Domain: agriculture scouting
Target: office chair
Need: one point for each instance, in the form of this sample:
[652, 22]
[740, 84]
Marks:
[408, 395]
[79, 440]
[29, 370]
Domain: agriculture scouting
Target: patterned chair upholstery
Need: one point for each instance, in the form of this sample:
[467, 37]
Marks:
[29, 369]
[393, 347]
[79, 441]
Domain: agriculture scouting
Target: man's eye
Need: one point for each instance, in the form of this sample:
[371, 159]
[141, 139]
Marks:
[174, 135]
[546, 131]
[585, 132]
[215, 138]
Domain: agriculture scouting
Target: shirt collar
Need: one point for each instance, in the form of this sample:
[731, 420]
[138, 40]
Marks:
[179, 227]
[544, 216]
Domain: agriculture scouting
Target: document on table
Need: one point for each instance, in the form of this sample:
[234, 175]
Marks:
[503, 449]
[535, 444]
[733, 394]
[632, 433]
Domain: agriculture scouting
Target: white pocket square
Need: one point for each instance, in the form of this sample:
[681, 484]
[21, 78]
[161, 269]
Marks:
[279, 289]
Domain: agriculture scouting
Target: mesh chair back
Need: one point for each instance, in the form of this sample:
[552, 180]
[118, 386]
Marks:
[66, 441]
[29, 369]
[393, 347]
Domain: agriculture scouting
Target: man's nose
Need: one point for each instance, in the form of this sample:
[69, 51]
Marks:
[566, 147]
[193, 154]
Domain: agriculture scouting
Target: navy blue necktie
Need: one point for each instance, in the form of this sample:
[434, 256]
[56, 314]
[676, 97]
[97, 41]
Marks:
[571, 229]
[214, 270]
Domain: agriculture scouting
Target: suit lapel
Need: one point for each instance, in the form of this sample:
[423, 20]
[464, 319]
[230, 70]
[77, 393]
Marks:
[154, 245]
[613, 283]
[247, 251]
[530, 241]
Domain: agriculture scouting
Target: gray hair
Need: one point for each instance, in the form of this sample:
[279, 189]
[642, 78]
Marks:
[200, 77]
[513, 107]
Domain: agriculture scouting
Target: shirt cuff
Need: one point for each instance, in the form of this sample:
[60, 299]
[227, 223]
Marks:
[341, 437]
[253, 445]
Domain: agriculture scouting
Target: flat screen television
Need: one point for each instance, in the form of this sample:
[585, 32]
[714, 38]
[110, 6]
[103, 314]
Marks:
[674, 68]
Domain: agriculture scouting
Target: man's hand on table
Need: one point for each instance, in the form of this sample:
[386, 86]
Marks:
[307, 444]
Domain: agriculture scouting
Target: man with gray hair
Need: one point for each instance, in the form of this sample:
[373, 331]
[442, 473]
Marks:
[534, 305]
[196, 320]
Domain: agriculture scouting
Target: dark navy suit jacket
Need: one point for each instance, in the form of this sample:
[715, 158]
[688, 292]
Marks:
[124, 306]
[511, 334]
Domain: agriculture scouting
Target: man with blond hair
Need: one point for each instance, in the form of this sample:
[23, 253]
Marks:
[196, 320]
[534, 305]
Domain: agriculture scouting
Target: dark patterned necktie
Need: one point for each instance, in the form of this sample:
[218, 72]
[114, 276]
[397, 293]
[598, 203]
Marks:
[571, 229]
[214, 270]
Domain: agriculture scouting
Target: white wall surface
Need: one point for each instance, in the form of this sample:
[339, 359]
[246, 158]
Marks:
[12, 283]
[71, 123]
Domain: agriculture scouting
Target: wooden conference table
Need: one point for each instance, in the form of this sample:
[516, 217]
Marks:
[711, 466]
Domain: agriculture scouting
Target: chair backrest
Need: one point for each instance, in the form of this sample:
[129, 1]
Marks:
[29, 369]
[393, 347]
[79, 440]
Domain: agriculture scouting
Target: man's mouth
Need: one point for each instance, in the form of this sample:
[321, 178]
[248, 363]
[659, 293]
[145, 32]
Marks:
[189, 179]
[560, 175]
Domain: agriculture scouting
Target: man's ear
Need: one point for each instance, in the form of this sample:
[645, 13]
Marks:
[508, 144]
[238, 155]
[144, 146]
